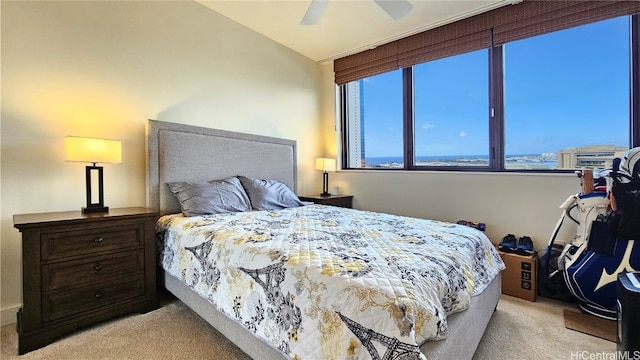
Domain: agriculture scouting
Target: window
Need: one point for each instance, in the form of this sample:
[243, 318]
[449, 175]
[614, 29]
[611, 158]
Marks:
[556, 101]
[566, 97]
[451, 106]
[375, 124]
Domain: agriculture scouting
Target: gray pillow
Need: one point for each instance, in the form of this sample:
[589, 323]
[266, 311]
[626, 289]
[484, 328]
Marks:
[212, 197]
[269, 194]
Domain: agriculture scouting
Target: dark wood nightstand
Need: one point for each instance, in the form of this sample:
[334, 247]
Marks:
[334, 200]
[78, 269]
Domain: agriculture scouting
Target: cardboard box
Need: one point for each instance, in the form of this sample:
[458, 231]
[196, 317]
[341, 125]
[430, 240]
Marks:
[519, 279]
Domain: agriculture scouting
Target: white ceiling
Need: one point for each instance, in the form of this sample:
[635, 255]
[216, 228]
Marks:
[347, 26]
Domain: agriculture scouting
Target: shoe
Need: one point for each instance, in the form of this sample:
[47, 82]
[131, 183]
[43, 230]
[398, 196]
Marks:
[508, 243]
[525, 246]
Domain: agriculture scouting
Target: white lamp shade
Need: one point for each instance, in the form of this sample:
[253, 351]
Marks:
[325, 164]
[93, 150]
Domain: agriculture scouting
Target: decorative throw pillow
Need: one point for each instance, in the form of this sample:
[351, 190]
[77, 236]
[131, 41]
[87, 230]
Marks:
[269, 194]
[212, 197]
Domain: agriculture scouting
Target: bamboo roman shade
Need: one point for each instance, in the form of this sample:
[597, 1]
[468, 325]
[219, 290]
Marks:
[367, 63]
[531, 18]
[459, 37]
[508, 23]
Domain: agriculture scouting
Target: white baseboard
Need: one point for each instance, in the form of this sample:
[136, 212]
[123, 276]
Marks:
[9, 315]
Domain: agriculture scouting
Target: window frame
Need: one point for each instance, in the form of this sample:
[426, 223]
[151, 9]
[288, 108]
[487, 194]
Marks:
[495, 114]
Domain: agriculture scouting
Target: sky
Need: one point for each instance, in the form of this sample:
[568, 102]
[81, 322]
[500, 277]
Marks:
[565, 89]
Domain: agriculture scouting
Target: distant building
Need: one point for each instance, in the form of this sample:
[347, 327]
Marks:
[590, 156]
[355, 116]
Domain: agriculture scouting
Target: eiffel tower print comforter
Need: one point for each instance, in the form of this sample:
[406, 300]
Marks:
[324, 282]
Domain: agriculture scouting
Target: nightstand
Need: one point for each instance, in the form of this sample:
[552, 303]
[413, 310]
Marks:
[79, 269]
[334, 200]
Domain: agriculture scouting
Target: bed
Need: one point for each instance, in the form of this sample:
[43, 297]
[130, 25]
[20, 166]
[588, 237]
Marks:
[263, 285]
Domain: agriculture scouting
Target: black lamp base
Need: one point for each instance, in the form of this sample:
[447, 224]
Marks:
[95, 209]
[325, 185]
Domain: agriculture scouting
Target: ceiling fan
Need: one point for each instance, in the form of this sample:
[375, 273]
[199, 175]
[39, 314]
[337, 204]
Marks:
[395, 8]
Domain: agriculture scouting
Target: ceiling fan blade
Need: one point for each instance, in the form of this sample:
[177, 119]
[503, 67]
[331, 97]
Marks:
[395, 8]
[314, 12]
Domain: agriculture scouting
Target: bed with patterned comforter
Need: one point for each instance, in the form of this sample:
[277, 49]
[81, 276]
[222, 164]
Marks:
[331, 283]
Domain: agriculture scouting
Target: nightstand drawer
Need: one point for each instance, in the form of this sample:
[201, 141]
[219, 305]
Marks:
[341, 202]
[69, 243]
[63, 303]
[91, 270]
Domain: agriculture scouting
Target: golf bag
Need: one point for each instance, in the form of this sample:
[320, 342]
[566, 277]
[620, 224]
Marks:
[624, 219]
[588, 207]
[591, 261]
[592, 275]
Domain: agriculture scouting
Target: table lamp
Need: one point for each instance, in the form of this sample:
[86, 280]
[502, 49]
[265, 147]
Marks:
[93, 151]
[325, 165]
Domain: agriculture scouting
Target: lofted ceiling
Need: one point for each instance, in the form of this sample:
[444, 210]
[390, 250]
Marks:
[346, 26]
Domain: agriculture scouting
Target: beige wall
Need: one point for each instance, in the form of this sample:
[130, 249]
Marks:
[517, 203]
[100, 69]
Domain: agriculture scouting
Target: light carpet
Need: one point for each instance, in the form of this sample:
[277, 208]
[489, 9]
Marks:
[519, 329]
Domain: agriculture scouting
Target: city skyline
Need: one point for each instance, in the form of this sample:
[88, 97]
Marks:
[589, 156]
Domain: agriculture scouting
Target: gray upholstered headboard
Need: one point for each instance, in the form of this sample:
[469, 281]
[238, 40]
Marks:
[177, 152]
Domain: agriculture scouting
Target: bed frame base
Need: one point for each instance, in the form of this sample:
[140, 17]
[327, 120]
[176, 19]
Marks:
[466, 328]
[231, 329]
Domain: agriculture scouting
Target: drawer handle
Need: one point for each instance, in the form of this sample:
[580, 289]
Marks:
[98, 240]
[98, 294]
[98, 267]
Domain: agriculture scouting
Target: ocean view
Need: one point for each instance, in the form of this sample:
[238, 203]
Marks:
[545, 161]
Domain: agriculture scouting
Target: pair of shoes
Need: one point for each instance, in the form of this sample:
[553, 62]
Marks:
[525, 246]
[508, 243]
[522, 246]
